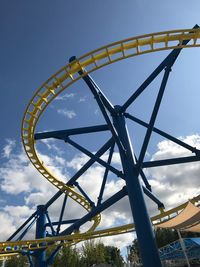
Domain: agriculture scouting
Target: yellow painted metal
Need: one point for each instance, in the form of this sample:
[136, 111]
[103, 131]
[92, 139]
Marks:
[69, 240]
[64, 78]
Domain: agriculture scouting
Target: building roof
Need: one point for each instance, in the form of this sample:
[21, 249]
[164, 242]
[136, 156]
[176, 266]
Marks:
[173, 251]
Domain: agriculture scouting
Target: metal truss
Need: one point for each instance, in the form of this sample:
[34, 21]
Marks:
[174, 251]
[115, 117]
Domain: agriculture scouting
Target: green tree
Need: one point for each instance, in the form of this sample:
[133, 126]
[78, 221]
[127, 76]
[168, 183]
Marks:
[92, 253]
[67, 257]
[134, 253]
[165, 236]
[113, 256]
[17, 261]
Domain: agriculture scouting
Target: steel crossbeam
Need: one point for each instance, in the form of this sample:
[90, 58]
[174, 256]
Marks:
[115, 123]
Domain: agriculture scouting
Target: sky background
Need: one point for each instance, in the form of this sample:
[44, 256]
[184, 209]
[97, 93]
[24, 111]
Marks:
[37, 39]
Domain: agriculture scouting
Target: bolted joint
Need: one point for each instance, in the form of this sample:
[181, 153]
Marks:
[118, 109]
[161, 208]
[41, 209]
[168, 68]
[66, 139]
[197, 152]
[72, 59]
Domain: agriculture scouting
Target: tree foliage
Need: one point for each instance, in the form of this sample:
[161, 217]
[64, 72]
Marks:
[68, 256]
[17, 261]
[96, 253]
[112, 256]
[90, 254]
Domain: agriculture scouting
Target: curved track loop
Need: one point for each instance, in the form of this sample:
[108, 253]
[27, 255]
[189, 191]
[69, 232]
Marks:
[11, 248]
[55, 85]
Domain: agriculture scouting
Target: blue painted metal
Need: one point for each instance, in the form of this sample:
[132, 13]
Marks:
[164, 162]
[97, 92]
[61, 214]
[142, 222]
[62, 222]
[96, 210]
[62, 134]
[151, 77]
[132, 168]
[153, 197]
[173, 251]
[88, 164]
[49, 223]
[146, 182]
[30, 260]
[22, 226]
[91, 155]
[164, 134]
[26, 229]
[153, 117]
[102, 101]
[100, 197]
[40, 255]
[51, 258]
[84, 194]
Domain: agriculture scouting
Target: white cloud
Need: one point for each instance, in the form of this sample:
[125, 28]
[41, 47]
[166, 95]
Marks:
[70, 114]
[50, 144]
[65, 96]
[18, 211]
[176, 183]
[82, 99]
[8, 148]
[7, 225]
[172, 184]
[120, 241]
[77, 162]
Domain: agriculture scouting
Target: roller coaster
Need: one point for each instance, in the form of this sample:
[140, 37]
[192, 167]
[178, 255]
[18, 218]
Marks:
[136, 183]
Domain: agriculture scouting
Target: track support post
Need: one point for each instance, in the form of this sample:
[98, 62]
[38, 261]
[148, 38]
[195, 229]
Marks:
[40, 255]
[146, 239]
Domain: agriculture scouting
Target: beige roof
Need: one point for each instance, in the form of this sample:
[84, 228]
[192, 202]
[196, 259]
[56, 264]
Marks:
[188, 219]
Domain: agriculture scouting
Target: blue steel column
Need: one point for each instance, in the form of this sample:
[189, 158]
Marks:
[40, 255]
[148, 249]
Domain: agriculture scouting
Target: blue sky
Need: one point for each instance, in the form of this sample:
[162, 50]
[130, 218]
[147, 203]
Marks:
[38, 38]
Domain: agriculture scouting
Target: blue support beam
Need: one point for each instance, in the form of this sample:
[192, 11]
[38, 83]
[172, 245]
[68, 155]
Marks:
[91, 161]
[62, 134]
[96, 210]
[148, 249]
[164, 134]
[174, 54]
[40, 255]
[61, 214]
[22, 226]
[153, 117]
[26, 229]
[164, 162]
[132, 168]
[62, 222]
[102, 101]
[97, 159]
[100, 197]
[50, 224]
[84, 194]
[96, 91]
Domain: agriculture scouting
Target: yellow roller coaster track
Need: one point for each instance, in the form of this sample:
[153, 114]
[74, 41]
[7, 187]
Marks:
[11, 248]
[55, 85]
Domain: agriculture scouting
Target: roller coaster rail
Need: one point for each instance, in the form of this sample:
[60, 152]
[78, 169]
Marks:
[115, 118]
